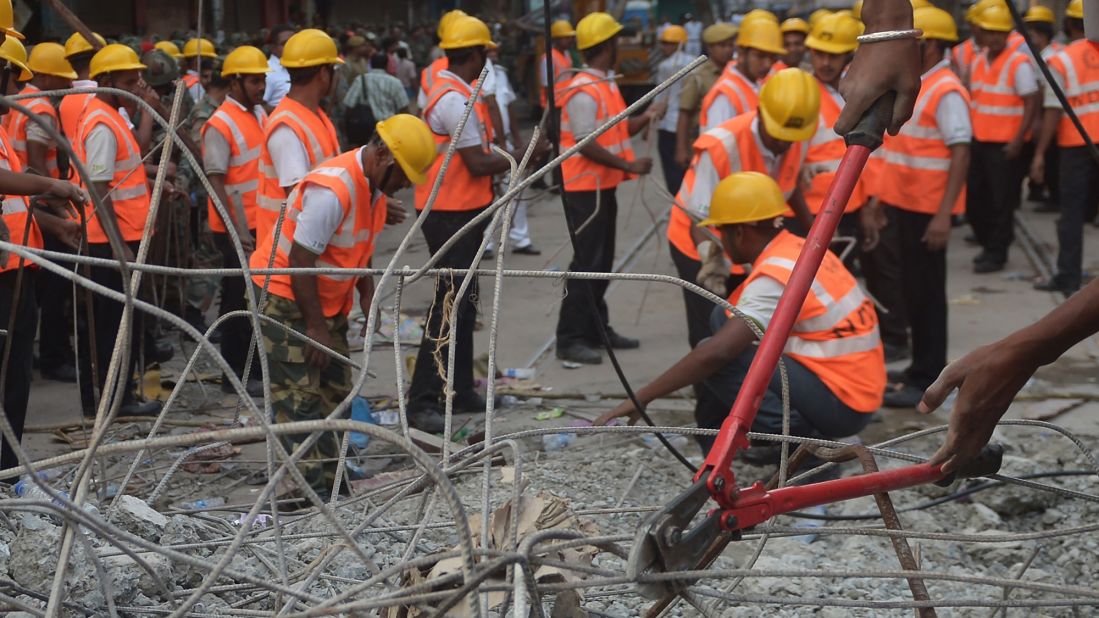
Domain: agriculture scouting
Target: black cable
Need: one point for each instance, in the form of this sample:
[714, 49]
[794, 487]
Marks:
[558, 179]
[961, 493]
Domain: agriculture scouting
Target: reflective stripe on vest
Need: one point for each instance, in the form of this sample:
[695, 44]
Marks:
[244, 134]
[997, 111]
[431, 73]
[14, 211]
[316, 133]
[17, 130]
[350, 246]
[579, 172]
[1078, 65]
[127, 190]
[823, 155]
[836, 333]
[562, 65]
[742, 94]
[460, 190]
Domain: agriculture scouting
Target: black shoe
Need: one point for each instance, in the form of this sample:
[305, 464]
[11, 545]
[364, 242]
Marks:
[140, 407]
[990, 266]
[907, 396]
[983, 256]
[527, 250]
[469, 401]
[894, 353]
[426, 419]
[1051, 285]
[254, 387]
[620, 342]
[63, 373]
[580, 353]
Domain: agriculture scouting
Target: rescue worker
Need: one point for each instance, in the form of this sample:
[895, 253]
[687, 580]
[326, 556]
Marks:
[37, 153]
[794, 32]
[198, 55]
[1074, 20]
[340, 208]
[278, 80]
[963, 54]
[169, 48]
[720, 40]
[1004, 101]
[758, 44]
[922, 182]
[464, 192]
[591, 179]
[1076, 70]
[1040, 22]
[770, 140]
[109, 150]
[672, 40]
[563, 36]
[79, 52]
[231, 143]
[428, 75]
[298, 135]
[833, 357]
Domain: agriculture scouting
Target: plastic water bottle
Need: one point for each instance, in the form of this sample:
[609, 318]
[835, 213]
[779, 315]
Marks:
[557, 441]
[360, 411]
[204, 503]
[27, 490]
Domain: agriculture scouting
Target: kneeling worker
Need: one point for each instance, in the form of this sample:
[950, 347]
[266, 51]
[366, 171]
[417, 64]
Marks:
[834, 355]
[337, 211]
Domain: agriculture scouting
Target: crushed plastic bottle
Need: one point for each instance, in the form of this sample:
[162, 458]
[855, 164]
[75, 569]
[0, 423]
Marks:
[204, 503]
[26, 489]
[557, 441]
[360, 411]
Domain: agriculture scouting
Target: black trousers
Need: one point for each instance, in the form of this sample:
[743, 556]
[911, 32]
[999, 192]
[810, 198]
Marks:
[992, 195]
[673, 173]
[55, 348]
[236, 333]
[426, 390]
[1079, 195]
[577, 322]
[698, 308]
[882, 269]
[923, 289]
[107, 314]
[20, 367]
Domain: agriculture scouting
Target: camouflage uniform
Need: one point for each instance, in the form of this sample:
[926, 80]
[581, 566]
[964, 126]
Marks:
[300, 391]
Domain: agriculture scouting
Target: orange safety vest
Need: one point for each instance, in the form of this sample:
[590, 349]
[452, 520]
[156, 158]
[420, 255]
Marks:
[965, 53]
[579, 172]
[1078, 65]
[14, 209]
[128, 190]
[836, 333]
[17, 130]
[350, 246]
[460, 189]
[997, 111]
[244, 132]
[741, 93]
[562, 65]
[70, 110]
[915, 163]
[315, 131]
[823, 156]
[732, 148]
[430, 74]
[189, 80]
[1015, 41]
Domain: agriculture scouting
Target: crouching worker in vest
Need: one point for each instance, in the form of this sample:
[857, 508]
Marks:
[334, 217]
[834, 354]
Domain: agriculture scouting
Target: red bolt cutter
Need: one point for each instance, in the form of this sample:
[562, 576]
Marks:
[666, 542]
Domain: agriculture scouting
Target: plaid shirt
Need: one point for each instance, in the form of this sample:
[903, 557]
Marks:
[383, 92]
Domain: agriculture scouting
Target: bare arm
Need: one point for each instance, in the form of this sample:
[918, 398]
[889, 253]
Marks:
[308, 301]
[682, 138]
[107, 212]
[36, 158]
[1032, 103]
[1051, 117]
[937, 233]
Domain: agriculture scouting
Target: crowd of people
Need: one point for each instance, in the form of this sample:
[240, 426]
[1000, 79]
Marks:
[305, 136]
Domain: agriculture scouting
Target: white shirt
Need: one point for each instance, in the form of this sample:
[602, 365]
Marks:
[694, 37]
[216, 149]
[582, 107]
[278, 82]
[487, 90]
[321, 215]
[505, 96]
[759, 299]
[721, 109]
[196, 91]
[447, 113]
[952, 115]
[664, 70]
[1026, 80]
[706, 177]
[37, 134]
[288, 155]
[100, 150]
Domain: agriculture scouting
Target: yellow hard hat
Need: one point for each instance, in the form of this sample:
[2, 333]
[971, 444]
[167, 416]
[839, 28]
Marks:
[445, 21]
[716, 33]
[674, 34]
[561, 29]
[467, 31]
[16, 55]
[789, 104]
[245, 60]
[758, 14]
[835, 34]
[920, 4]
[7, 20]
[77, 44]
[412, 145]
[1039, 13]
[745, 197]
[856, 10]
[936, 24]
[847, 12]
[1075, 9]
[595, 28]
[761, 34]
[310, 48]
[816, 15]
[975, 9]
[169, 48]
[199, 47]
[49, 59]
[115, 57]
[996, 18]
[795, 24]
